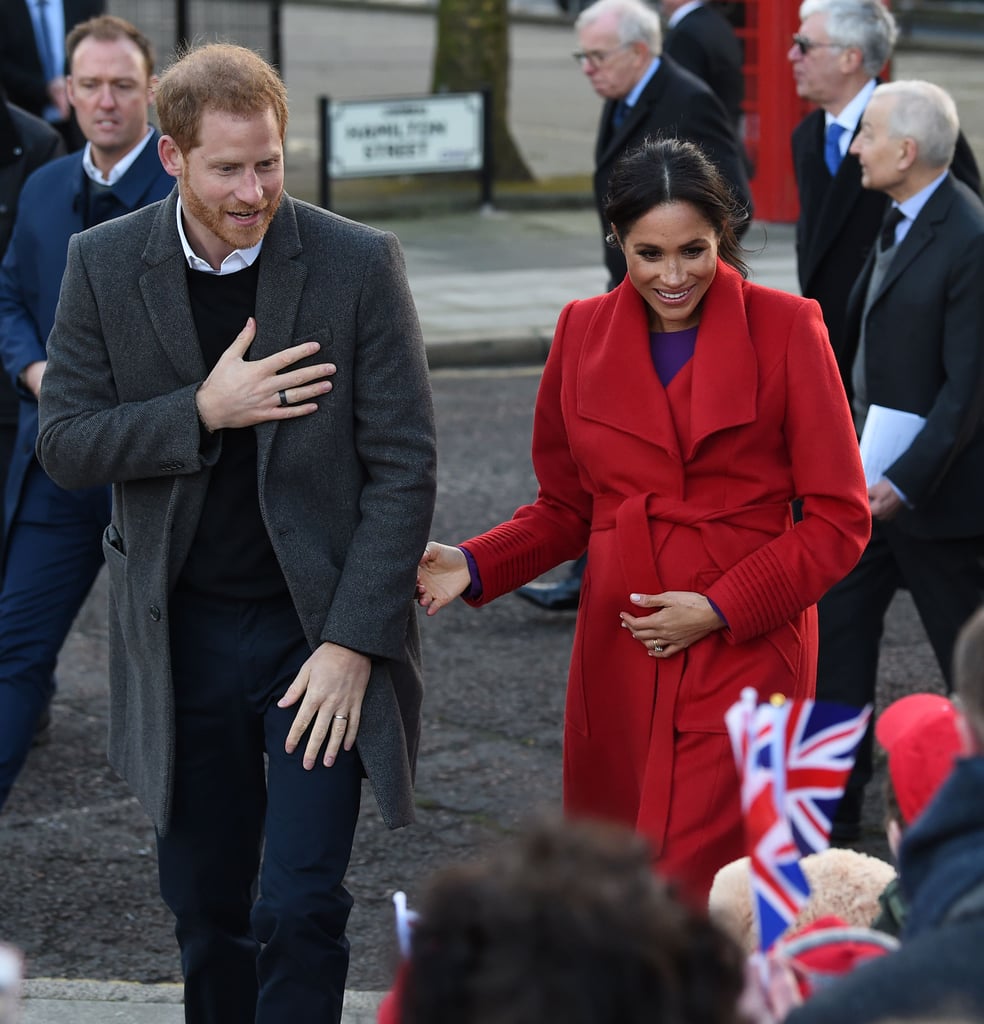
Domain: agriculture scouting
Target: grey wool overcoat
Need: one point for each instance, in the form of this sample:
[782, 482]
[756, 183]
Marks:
[346, 493]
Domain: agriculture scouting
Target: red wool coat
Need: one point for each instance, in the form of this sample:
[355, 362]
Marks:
[686, 488]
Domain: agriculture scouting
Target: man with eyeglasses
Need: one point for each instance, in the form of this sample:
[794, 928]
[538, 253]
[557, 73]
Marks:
[646, 94]
[54, 541]
[836, 55]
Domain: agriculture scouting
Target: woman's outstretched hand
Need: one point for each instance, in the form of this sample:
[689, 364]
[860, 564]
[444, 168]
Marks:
[442, 575]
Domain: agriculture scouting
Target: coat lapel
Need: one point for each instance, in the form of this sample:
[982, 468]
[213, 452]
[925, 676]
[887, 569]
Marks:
[724, 392]
[164, 287]
[281, 282]
[837, 207]
[725, 372]
[278, 298]
[920, 235]
[613, 142]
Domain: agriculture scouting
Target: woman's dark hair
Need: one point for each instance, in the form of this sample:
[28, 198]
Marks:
[661, 171]
[566, 923]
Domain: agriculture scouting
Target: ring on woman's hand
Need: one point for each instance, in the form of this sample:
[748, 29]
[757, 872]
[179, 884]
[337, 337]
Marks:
[283, 399]
[344, 718]
[657, 647]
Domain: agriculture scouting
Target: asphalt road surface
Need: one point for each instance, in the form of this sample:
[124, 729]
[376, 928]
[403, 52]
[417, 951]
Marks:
[77, 860]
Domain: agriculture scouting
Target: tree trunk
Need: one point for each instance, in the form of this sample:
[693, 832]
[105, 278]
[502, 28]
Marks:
[473, 53]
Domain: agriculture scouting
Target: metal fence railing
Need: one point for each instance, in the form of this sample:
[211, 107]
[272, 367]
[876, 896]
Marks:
[252, 23]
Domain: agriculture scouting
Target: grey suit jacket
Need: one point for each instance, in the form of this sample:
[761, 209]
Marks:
[347, 493]
[924, 354]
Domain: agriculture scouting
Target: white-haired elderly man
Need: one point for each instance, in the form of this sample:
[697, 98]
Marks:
[836, 56]
[915, 319]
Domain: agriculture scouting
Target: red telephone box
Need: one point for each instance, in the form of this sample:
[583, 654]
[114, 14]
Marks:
[772, 108]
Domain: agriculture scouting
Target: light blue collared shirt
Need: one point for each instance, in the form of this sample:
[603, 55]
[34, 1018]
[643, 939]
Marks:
[632, 98]
[238, 259]
[912, 206]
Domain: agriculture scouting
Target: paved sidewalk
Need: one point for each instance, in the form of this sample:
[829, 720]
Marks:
[97, 1002]
[489, 287]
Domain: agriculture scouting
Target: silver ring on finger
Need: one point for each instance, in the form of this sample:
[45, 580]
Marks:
[283, 399]
[343, 718]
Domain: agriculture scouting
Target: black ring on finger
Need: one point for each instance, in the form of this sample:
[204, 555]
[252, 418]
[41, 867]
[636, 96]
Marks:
[283, 399]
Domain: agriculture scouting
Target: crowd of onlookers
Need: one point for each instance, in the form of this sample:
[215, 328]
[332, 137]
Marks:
[568, 922]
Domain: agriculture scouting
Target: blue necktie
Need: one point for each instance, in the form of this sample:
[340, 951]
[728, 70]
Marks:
[831, 147]
[46, 49]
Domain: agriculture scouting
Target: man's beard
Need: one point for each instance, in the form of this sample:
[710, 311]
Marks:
[216, 221]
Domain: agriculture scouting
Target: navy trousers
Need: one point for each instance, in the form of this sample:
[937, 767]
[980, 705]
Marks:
[264, 944]
[946, 580]
[54, 552]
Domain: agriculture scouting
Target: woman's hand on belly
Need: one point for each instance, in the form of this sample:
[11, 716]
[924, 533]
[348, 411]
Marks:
[679, 618]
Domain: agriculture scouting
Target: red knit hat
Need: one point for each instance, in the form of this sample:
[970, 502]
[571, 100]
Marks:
[920, 735]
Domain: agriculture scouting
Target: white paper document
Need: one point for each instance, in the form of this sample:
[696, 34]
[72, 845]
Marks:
[887, 434]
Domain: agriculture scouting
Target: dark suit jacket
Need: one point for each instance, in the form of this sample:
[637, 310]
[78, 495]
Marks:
[924, 354]
[674, 104]
[838, 223]
[26, 142]
[20, 65]
[705, 43]
[51, 211]
[347, 492]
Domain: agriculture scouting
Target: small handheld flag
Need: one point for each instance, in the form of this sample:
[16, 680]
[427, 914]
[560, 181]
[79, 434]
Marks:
[793, 760]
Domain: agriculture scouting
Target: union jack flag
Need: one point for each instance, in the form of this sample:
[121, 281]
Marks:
[793, 761]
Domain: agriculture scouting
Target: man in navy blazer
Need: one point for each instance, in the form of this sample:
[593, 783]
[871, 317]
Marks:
[839, 50]
[26, 143]
[54, 537]
[915, 320]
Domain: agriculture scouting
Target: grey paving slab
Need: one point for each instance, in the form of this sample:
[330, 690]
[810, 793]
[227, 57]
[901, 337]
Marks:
[87, 1002]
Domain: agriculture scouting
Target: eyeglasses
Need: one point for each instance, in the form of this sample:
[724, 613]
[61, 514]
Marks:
[804, 44]
[596, 58]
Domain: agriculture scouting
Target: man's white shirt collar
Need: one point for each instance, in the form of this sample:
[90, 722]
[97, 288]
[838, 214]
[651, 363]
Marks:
[119, 168]
[238, 259]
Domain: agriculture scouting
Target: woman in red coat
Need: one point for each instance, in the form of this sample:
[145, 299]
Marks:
[678, 418]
